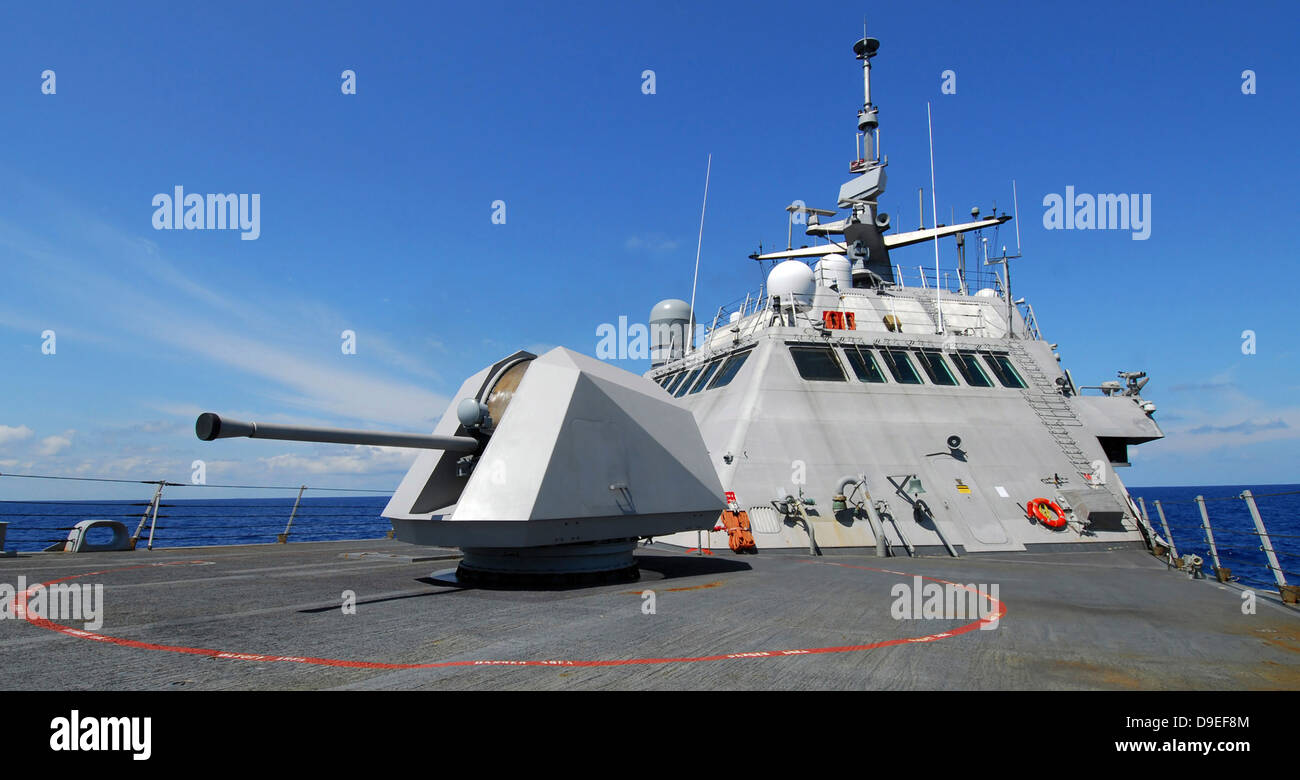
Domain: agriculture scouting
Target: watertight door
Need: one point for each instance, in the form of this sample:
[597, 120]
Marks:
[958, 496]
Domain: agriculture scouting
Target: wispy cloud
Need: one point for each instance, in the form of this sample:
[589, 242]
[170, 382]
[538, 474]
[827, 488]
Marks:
[10, 434]
[53, 445]
[1243, 427]
[650, 242]
[151, 302]
[352, 460]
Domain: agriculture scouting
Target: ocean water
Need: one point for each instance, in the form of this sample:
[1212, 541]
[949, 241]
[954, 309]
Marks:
[194, 522]
[1234, 531]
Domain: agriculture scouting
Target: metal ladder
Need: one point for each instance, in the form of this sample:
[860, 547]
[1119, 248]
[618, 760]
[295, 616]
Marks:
[1057, 415]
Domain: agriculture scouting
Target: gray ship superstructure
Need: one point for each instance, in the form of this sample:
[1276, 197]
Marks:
[844, 408]
[840, 408]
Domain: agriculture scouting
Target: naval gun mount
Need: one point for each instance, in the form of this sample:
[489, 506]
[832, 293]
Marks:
[543, 469]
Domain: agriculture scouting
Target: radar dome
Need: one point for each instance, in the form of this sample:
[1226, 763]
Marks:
[834, 271]
[791, 281]
[670, 328]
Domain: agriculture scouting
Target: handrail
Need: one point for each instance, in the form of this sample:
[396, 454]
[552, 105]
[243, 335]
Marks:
[149, 514]
[1208, 531]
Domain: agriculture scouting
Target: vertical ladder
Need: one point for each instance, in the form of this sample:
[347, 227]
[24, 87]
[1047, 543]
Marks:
[1055, 412]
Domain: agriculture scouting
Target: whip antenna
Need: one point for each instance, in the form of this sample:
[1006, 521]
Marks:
[934, 211]
[698, 243]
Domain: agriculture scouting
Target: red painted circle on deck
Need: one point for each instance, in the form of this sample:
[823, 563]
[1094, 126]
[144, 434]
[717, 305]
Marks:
[80, 634]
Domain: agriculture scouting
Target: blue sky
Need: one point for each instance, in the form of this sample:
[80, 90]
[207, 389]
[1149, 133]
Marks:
[376, 207]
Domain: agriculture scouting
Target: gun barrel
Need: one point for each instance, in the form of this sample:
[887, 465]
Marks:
[210, 426]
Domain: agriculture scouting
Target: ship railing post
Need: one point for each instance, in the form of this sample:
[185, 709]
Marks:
[1278, 574]
[1173, 548]
[144, 518]
[1145, 519]
[153, 523]
[1209, 535]
[284, 537]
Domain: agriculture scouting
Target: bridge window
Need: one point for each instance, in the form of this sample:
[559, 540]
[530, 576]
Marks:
[690, 379]
[864, 364]
[706, 376]
[665, 379]
[1005, 372]
[817, 364]
[677, 379]
[935, 367]
[969, 366]
[900, 366]
[729, 369]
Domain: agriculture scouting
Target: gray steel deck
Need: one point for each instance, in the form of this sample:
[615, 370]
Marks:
[1108, 619]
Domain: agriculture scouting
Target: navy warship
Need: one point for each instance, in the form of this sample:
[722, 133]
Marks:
[879, 435]
[838, 408]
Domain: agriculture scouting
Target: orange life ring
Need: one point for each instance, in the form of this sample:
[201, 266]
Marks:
[1055, 519]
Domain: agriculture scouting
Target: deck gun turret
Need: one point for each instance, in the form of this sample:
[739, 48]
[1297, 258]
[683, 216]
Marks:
[543, 467]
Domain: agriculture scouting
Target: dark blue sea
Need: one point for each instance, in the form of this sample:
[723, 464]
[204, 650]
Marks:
[1234, 530]
[192, 522]
[196, 522]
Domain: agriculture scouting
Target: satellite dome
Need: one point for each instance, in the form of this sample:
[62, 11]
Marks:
[987, 292]
[671, 310]
[834, 271]
[791, 280]
[670, 330]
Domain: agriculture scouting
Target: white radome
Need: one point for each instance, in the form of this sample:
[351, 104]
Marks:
[834, 271]
[791, 280]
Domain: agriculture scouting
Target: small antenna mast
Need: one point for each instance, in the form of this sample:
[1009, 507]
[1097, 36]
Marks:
[1015, 208]
[934, 210]
[699, 243]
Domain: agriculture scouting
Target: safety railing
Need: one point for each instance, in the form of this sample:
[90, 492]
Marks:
[36, 524]
[950, 279]
[1237, 545]
[741, 307]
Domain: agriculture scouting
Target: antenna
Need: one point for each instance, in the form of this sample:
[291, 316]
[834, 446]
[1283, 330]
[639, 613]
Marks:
[934, 210]
[1015, 209]
[699, 242]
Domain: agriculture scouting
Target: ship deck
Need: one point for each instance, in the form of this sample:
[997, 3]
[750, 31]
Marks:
[270, 617]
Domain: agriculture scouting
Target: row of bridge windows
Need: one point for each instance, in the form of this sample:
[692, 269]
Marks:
[716, 373]
[822, 364]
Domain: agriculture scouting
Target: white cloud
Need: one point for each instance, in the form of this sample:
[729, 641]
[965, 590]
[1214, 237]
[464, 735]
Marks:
[53, 445]
[10, 434]
[354, 460]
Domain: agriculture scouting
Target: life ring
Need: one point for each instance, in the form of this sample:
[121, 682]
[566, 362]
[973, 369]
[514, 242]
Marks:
[1055, 519]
